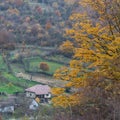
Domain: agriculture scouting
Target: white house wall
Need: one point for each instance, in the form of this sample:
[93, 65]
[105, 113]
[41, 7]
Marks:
[33, 95]
[30, 94]
[48, 95]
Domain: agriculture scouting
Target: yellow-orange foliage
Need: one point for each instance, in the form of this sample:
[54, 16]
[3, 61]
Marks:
[67, 47]
[97, 52]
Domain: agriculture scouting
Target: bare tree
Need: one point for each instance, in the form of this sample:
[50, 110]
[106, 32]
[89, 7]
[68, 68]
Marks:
[6, 44]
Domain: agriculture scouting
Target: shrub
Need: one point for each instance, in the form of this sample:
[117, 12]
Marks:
[44, 66]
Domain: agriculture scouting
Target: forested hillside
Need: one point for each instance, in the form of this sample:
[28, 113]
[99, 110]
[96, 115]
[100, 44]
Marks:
[35, 22]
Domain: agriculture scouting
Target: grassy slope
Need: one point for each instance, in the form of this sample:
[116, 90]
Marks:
[14, 84]
[10, 88]
[10, 83]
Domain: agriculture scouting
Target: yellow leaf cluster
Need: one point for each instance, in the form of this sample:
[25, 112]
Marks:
[65, 101]
[57, 91]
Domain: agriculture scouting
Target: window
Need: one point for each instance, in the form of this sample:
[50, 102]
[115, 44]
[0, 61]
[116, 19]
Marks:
[41, 96]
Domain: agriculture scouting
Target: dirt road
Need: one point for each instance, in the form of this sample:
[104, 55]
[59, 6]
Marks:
[41, 79]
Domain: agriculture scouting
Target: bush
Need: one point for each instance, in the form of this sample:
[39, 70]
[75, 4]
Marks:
[44, 66]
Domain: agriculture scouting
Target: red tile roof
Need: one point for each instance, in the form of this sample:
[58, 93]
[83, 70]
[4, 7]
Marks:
[39, 89]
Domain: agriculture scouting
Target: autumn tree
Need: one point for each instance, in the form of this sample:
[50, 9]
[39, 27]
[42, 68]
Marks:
[94, 72]
[57, 12]
[38, 9]
[35, 29]
[19, 2]
[48, 25]
[14, 11]
[67, 48]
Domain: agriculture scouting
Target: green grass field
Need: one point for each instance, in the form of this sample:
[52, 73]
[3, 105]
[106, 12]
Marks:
[34, 64]
[10, 88]
[14, 84]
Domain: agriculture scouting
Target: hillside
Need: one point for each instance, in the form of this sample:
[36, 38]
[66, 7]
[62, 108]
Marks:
[35, 22]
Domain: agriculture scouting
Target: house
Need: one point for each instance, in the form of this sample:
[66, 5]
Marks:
[41, 92]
